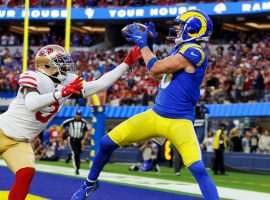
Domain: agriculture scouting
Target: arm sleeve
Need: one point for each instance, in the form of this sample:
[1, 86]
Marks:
[35, 101]
[104, 81]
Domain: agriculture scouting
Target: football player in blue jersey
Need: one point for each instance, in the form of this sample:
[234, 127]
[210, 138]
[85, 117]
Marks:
[173, 114]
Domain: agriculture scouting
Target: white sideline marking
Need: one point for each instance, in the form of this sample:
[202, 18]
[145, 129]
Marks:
[178, 186]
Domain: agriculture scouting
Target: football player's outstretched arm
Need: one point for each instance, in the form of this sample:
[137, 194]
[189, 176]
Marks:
[109, 78]
[34, 101]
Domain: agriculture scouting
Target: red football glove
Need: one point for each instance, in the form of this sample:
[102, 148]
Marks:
[73, 88]
[133, 56]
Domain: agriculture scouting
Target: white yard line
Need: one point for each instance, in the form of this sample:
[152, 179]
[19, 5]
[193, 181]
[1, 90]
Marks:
[174, 186]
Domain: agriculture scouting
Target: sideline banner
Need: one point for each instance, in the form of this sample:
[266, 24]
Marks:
[145, 12]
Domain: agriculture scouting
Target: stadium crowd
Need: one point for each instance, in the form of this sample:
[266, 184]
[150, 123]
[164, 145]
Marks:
[50, 143]
[77, 39]
[236, 73]
[97, 3]
[53, 140]
[252, 140]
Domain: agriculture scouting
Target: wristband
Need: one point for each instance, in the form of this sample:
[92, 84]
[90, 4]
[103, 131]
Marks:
[151, 62]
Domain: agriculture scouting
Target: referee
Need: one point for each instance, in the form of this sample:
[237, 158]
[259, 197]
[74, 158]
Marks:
[78, 130]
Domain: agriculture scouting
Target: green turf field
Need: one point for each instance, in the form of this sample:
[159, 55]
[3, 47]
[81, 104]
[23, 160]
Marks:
[237, 180]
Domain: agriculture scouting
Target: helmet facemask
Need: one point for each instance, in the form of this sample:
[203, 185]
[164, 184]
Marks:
[176, 31]
[59, 67]
[64, 65]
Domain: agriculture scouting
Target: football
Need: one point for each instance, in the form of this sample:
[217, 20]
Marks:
[142, 28]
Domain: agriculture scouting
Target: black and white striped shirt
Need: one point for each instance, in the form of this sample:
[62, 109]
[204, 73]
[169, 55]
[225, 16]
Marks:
[76, 128]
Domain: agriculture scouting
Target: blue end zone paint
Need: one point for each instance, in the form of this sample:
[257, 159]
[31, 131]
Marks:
[57, 187]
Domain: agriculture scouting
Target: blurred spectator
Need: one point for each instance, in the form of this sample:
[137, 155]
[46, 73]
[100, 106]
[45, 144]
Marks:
[40, 152]
[246, 142]
[17, 56]
[264, 142]
[247, 87]
[235, 140]
[220, 50]
[11, 40]
[50, 152]
[259, 86]
[87, 40]
[149, 153]
[45, 40]
[254, 141]
[239, 83]
[231, 48]
[4, 40]
[207, 143]
[219, 145]
[75, 40]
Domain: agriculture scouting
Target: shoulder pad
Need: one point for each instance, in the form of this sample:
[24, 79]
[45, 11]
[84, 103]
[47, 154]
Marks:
[28, 79]
[193, 53]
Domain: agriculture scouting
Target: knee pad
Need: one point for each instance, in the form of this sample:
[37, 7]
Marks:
[106, 144]
[198, 169]
[25, 174]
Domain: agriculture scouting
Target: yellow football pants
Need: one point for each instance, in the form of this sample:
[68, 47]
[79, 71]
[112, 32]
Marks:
[148, 125]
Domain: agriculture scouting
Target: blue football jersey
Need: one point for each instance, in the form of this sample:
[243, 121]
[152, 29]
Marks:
[179, 92]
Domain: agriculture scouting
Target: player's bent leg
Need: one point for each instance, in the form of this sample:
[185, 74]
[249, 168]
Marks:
[137, 128]
[22, 165]
[17, 161]
[183, 136]
[107, 146]
[205, 182]
[22, 183]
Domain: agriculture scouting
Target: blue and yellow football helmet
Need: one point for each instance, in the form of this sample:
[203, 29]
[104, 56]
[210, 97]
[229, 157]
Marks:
[193, 25]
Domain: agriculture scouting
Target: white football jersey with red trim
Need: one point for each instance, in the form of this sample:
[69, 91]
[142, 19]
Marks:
[22, 124]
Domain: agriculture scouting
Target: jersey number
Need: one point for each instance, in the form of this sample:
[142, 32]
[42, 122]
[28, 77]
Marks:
[166, 80]
[42, 119]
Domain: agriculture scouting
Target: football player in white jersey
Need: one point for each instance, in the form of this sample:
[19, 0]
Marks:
[40, 96]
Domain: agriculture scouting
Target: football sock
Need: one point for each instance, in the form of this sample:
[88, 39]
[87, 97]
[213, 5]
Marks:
[107, 146]
[205, 182]
[22, 183]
